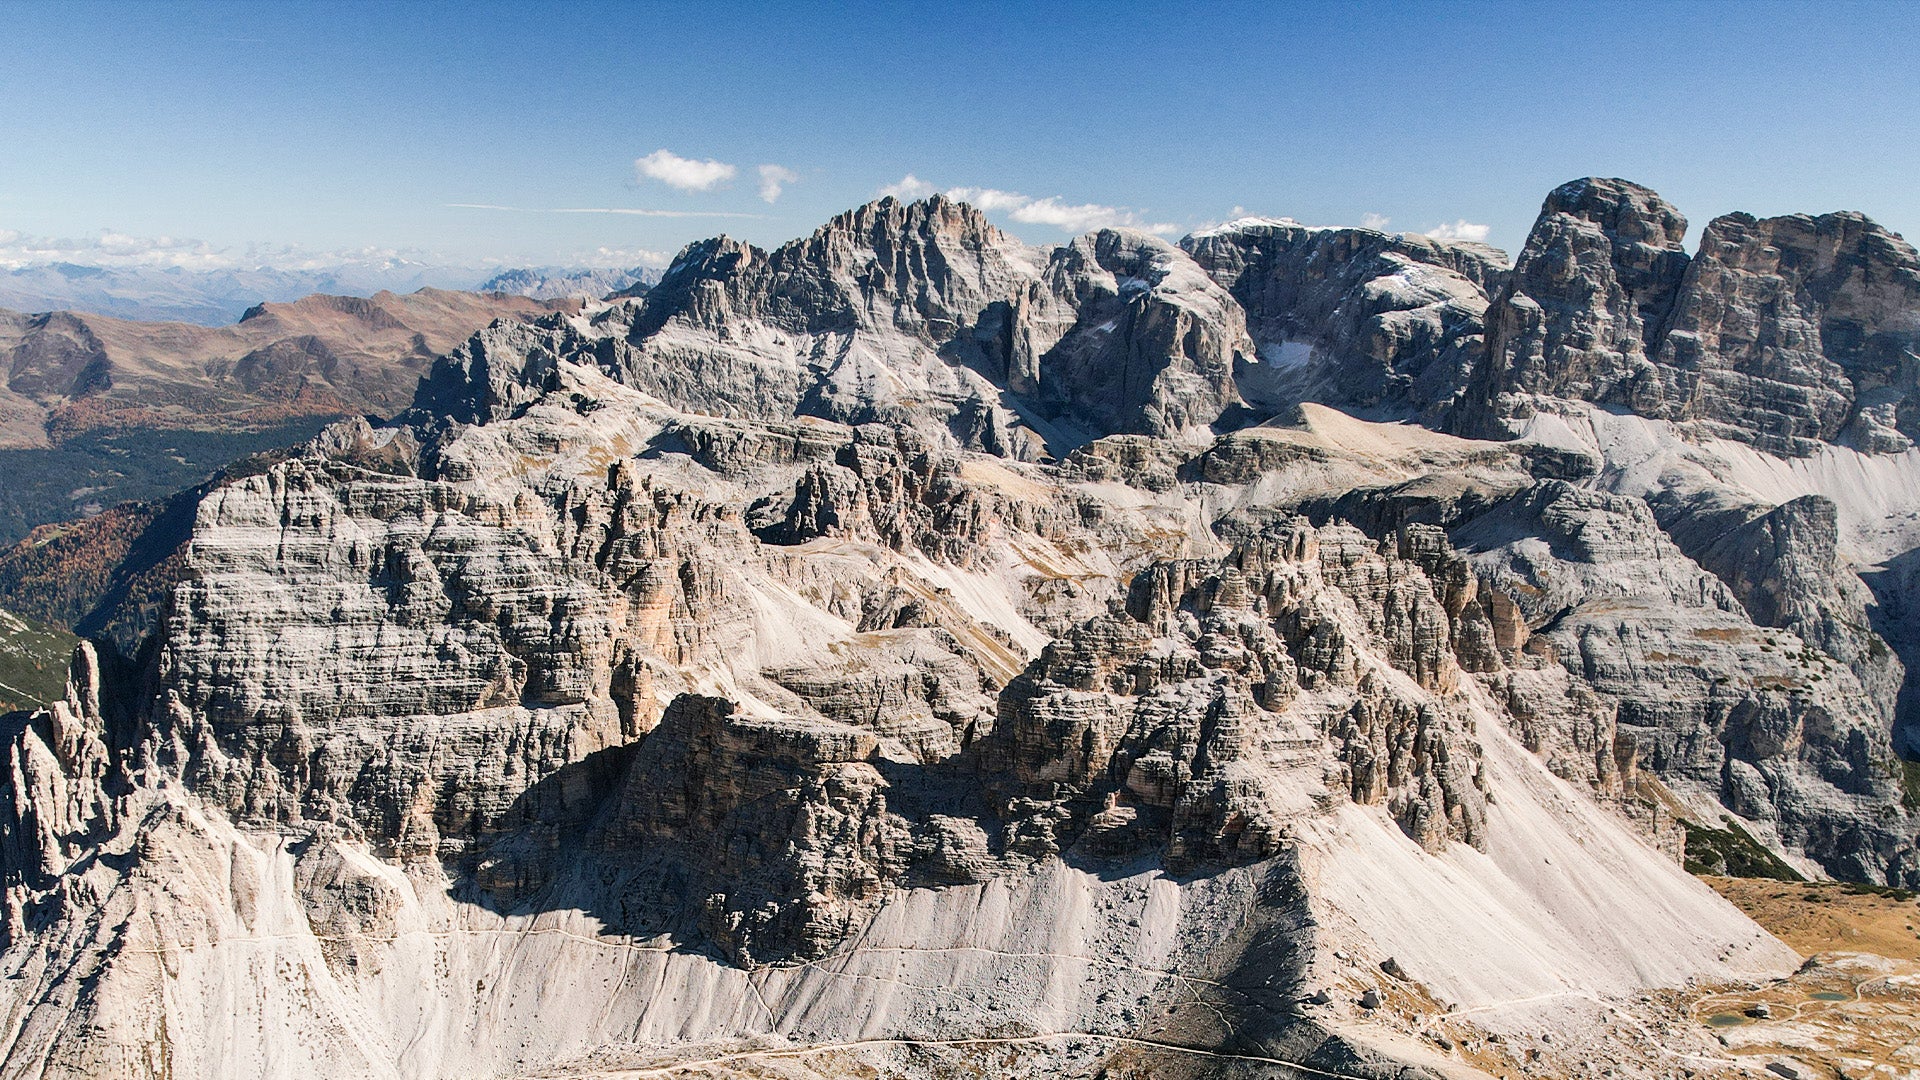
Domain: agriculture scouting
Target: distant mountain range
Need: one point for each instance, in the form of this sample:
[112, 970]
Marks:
[218, 297]
[554, 283]
[95, 410]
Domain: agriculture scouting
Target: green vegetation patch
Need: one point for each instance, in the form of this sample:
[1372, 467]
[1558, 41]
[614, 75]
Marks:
[1732, 852]
[33, 663]
[107, 466]
[1908, 773]
[1862, 888]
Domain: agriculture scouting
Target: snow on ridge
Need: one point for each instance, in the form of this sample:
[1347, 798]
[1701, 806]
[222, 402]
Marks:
[1242, 224]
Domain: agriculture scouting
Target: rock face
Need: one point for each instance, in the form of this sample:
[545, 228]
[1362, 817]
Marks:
[924, 315]
[1770, 724]
[1783, 565]
[763, 689]
[1793, 335]
[1783, 332]
[1353, 317]
[1589, 297]
[1795, 329]
[868, 650]
[1154, 346]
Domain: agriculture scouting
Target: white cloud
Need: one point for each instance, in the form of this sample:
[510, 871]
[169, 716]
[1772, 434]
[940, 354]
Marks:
[1372, 220]
[687, 174]
[1074, 218]
[1080, 217]
[618, 257]
[1460, 230]
[773, 178]
[909, 187]
[109, 248]
[989, 199]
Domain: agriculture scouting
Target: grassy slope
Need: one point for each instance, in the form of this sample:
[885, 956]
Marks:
[33, 663]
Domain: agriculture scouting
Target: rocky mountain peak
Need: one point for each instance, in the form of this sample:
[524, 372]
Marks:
[1782, 332]
[887, 219]
[1589, 292]
[907, 636]
[1154, 342]
[1627, 212]
[715, 257]
[1356, 317]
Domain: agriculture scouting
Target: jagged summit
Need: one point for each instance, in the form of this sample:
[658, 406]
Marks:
[923, 314]
[910, 650]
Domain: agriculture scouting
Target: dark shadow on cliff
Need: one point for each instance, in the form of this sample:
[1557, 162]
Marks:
[1896, 617]
[554, 849]
[700, 834]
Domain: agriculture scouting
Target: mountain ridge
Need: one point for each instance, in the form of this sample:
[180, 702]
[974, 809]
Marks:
[846, 651]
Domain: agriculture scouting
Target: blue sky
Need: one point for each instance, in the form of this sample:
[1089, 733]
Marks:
[346, 126]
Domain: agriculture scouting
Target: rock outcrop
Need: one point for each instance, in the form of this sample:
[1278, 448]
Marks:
[923, 315]
[1797, 329]
[1588, 300]
[549, 647]
[1768, 722]
[1154, 348]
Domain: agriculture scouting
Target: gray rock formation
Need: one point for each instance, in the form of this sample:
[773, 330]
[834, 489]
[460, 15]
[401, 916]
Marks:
[1354, 317]
[1783, 565]
[582, 669]
[924, 315]
[1795, 329]
[867, 650]
[1771, 724]
[1588, 298]
[1782, 332]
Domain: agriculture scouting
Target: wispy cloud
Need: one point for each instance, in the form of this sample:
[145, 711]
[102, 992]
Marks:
[1084, 217]
[1374, 221]
[632, 211]
[687, 174]
[774, 179]
[908, 187]
[1054, 210]
[1460, 230]
[992, 200]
